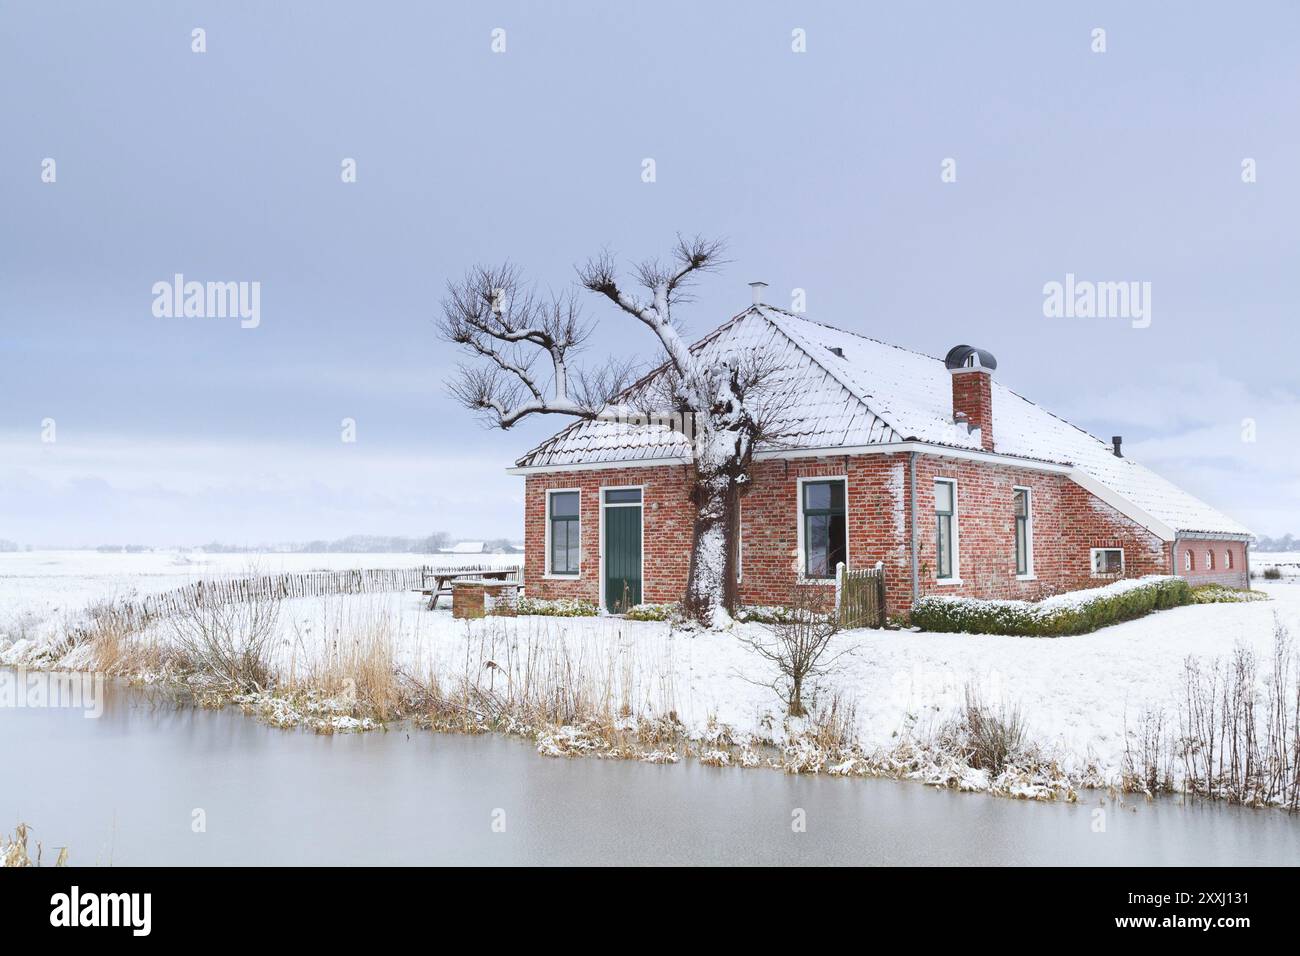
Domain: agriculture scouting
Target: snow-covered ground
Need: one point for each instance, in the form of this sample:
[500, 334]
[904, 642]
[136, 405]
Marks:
[40, 590]
[1288, 562]
[1078, 695]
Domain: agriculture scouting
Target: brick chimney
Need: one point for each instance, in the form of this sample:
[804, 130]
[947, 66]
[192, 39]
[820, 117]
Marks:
[972, 390]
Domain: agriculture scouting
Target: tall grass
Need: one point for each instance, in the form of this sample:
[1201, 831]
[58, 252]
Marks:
[531, 676]
[13, 850]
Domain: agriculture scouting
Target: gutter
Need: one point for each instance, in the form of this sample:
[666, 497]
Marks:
[787, 454]
[911, 507]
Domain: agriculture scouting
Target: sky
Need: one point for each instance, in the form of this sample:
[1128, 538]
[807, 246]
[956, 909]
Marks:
[828, 170]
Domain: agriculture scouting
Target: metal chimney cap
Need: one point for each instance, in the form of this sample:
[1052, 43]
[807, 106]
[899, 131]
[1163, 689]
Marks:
[967, 356]
[1116, 441]
[758, 288]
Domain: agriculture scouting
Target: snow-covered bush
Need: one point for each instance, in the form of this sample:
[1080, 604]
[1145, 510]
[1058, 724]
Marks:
[1221, 594]
[563, 607]
[653, 612]
[765, 614]
[1077, 612]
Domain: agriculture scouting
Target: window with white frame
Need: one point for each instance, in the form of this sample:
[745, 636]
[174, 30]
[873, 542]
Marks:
[945, 529]
[563, 533]
[1227, 559]
[1107, 562]
[1024, 533]
[1209, 560]
[825, 526]
[1189, 560]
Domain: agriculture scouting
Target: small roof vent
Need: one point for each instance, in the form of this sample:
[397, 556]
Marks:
[967, 356]
[836, 350]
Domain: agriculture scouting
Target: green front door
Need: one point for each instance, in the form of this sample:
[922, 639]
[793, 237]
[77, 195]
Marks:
[622, 557]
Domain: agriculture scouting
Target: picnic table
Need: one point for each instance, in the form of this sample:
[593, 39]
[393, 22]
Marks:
[443, 581]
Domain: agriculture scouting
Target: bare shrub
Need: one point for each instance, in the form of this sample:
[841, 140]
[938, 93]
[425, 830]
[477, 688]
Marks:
[226, 646]
[1239, 731]
[1147, 764]
[799, 646]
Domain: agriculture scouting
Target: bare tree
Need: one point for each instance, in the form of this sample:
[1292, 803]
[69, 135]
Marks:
[509, 330]
[799, 646]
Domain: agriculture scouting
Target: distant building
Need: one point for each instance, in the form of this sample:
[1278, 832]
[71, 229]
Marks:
[466, 547]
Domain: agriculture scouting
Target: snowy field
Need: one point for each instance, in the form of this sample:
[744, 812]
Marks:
[40, 590]
[1288, 562]
[1079, 696]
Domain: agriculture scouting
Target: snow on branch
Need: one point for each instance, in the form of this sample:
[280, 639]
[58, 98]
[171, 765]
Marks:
[666, 284]
[494, 318]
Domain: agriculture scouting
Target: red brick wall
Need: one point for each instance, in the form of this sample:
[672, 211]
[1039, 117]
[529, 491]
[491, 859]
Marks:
[1067, 522]
[668, 519]
[1203, 572]
[877, 523]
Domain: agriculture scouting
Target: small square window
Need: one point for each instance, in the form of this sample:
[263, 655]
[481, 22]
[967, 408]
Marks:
[623, 496]
[1107, 562]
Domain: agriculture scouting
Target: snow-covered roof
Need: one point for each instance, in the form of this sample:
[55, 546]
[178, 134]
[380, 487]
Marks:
[838, 389]
[466, 547]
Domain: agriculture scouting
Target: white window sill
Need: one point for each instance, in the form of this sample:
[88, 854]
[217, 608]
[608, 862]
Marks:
[943, 582]
[803, 580]
[561, 577]
[1026, 577]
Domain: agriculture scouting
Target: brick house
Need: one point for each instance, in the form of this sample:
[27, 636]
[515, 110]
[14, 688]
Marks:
[955, 483]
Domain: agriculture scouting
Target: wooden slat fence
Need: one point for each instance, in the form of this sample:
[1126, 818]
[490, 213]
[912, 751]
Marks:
[860, 596]
[218, 591]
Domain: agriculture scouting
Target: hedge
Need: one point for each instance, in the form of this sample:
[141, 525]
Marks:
[1221, 594]
[1078, 612]
[653, 612]
[564, 607]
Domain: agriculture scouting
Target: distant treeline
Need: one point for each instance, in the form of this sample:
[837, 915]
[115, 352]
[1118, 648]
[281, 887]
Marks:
[1288, 542]
[352, 544]
[7, 545]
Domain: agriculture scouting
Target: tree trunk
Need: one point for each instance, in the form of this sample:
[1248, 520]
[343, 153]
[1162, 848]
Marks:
[706, 588]
[796, 698]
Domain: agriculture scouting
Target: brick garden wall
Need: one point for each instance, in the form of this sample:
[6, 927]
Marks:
[1067, 522]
